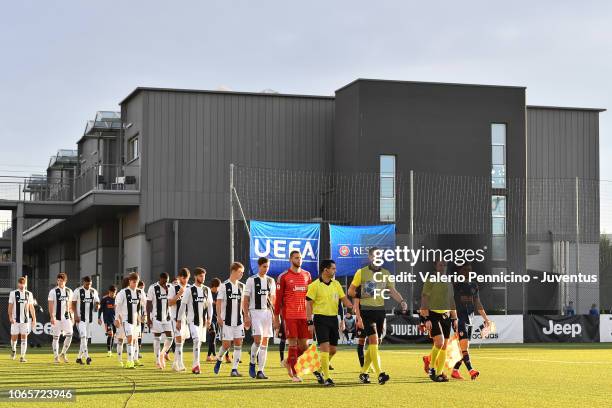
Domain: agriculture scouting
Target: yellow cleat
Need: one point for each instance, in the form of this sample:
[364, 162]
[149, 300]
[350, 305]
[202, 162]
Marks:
[121, 364]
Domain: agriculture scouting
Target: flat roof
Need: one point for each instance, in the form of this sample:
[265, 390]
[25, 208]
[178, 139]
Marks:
[207, 91]
[565, 108]
[427, 83]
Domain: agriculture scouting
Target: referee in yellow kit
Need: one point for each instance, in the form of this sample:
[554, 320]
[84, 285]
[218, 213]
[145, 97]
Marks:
[322, 300]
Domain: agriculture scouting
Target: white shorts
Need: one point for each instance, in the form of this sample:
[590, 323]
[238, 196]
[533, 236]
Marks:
[184, 332]
[62, 327]
[120, 334]
[20, 328]
[197, 332]
[161, 326]
[261, 322]
[85, 329]
[130, 329]
[232, 332]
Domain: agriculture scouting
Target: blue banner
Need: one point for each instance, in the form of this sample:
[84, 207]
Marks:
[350, 244]
[276, 240]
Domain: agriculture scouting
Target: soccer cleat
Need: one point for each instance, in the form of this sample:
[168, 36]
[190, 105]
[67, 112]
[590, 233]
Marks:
[296, 379]
[383, 378]
[261, 376]
[432, 374]
[130, 365]
[426, 362]
[56, 359]
[456, 375]
[474, 374]
[79, 361]
[166, 357]
[64, 357]
[121, 364]
[210, 359]
[13, 354]
[319, 377]
[331, 368]
[195, 370]
[217, 366]
[138, 363]
[441, 378]
[22, 360]
[109, 354]
[88, 361]
[364, 378]
[235, 373]
[252, 370]
[329, 383]
[283, 363]
[228, 359]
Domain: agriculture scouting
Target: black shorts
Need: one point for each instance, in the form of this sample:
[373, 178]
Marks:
[326, 329]
[373, 322]
[440, 324]
[465, 329]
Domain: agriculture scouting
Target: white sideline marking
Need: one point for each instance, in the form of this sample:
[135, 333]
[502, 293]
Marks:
[514, 359]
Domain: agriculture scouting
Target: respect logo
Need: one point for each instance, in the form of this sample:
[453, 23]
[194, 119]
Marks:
[344, 250]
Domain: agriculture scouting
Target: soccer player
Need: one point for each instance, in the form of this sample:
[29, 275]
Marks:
[291, 288]
[158, 318]
[106, 316]
[371, 312]
[438, 311]
[128, 316]
[60, 315]
[229, 317]
[143, 321]
[85, 300]
[213, 329]
[197, 309]
[21, 315]
[259, 296]
[175, 296]
[467, 301]
[323, 297]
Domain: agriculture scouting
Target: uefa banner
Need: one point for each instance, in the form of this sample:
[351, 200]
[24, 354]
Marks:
[276, 240]
[605, 328]
[561, 329]
[350, 244]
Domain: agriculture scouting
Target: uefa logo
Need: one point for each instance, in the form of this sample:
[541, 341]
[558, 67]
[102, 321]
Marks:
[344, 250]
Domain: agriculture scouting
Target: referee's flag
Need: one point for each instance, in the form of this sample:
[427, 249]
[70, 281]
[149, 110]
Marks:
[453, 352]
[308, 362]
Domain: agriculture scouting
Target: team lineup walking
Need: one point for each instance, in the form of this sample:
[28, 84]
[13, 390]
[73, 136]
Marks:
[295, 308]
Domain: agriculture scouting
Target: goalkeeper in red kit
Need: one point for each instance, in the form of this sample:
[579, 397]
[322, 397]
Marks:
[291, 287]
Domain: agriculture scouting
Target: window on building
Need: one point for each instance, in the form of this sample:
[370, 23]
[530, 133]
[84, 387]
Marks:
[133, 148]
[387, 188]
[498, 155]
[498, 228]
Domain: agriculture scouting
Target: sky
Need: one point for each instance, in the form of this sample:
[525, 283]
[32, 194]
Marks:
[60, 62]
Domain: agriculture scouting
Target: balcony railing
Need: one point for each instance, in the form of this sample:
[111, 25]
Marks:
[99, 177]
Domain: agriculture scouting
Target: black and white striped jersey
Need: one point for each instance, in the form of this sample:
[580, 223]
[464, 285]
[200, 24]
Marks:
[197, 305]
[86, 300]
[172, 291]
[61, 299]
[128, 305]
[21, 301]
[230, 295]
[158, 296]
[260, 291]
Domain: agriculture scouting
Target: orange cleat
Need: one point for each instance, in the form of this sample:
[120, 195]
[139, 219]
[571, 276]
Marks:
[474, 374]
[195, 370]
[456, 375]
[426, 362]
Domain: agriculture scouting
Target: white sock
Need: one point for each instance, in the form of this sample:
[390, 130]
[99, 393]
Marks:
[167, 345]
[221, 353]
[136, 349]
[55, 345]
[156, 345]
[237, 352]
[67, 342]
[83, 347]
[130, 355]
[254, 350]
[178, 354]
[14, 345]
[196, 352]
[24, 347]
[120, 349]
[261, 357]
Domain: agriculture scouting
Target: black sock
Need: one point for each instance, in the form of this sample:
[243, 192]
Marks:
[466, 360]
[109, 343]
[281, 349]
[458, 364]
[360, 354]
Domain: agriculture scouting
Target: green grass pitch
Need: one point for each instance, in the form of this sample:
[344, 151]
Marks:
[511, 376]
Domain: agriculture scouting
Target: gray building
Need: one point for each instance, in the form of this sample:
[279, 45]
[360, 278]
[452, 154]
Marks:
[149, 191]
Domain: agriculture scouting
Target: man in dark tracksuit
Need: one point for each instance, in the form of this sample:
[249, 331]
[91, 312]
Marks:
[106, 315]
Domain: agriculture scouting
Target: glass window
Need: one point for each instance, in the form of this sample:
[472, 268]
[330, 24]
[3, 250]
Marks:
[133, 148]
[498, 228]
[498, 155]
[387, 188]
[498, 248]
[498, 134]
[498, 206]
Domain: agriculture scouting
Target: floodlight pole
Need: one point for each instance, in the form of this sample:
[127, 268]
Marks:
[231, 210]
